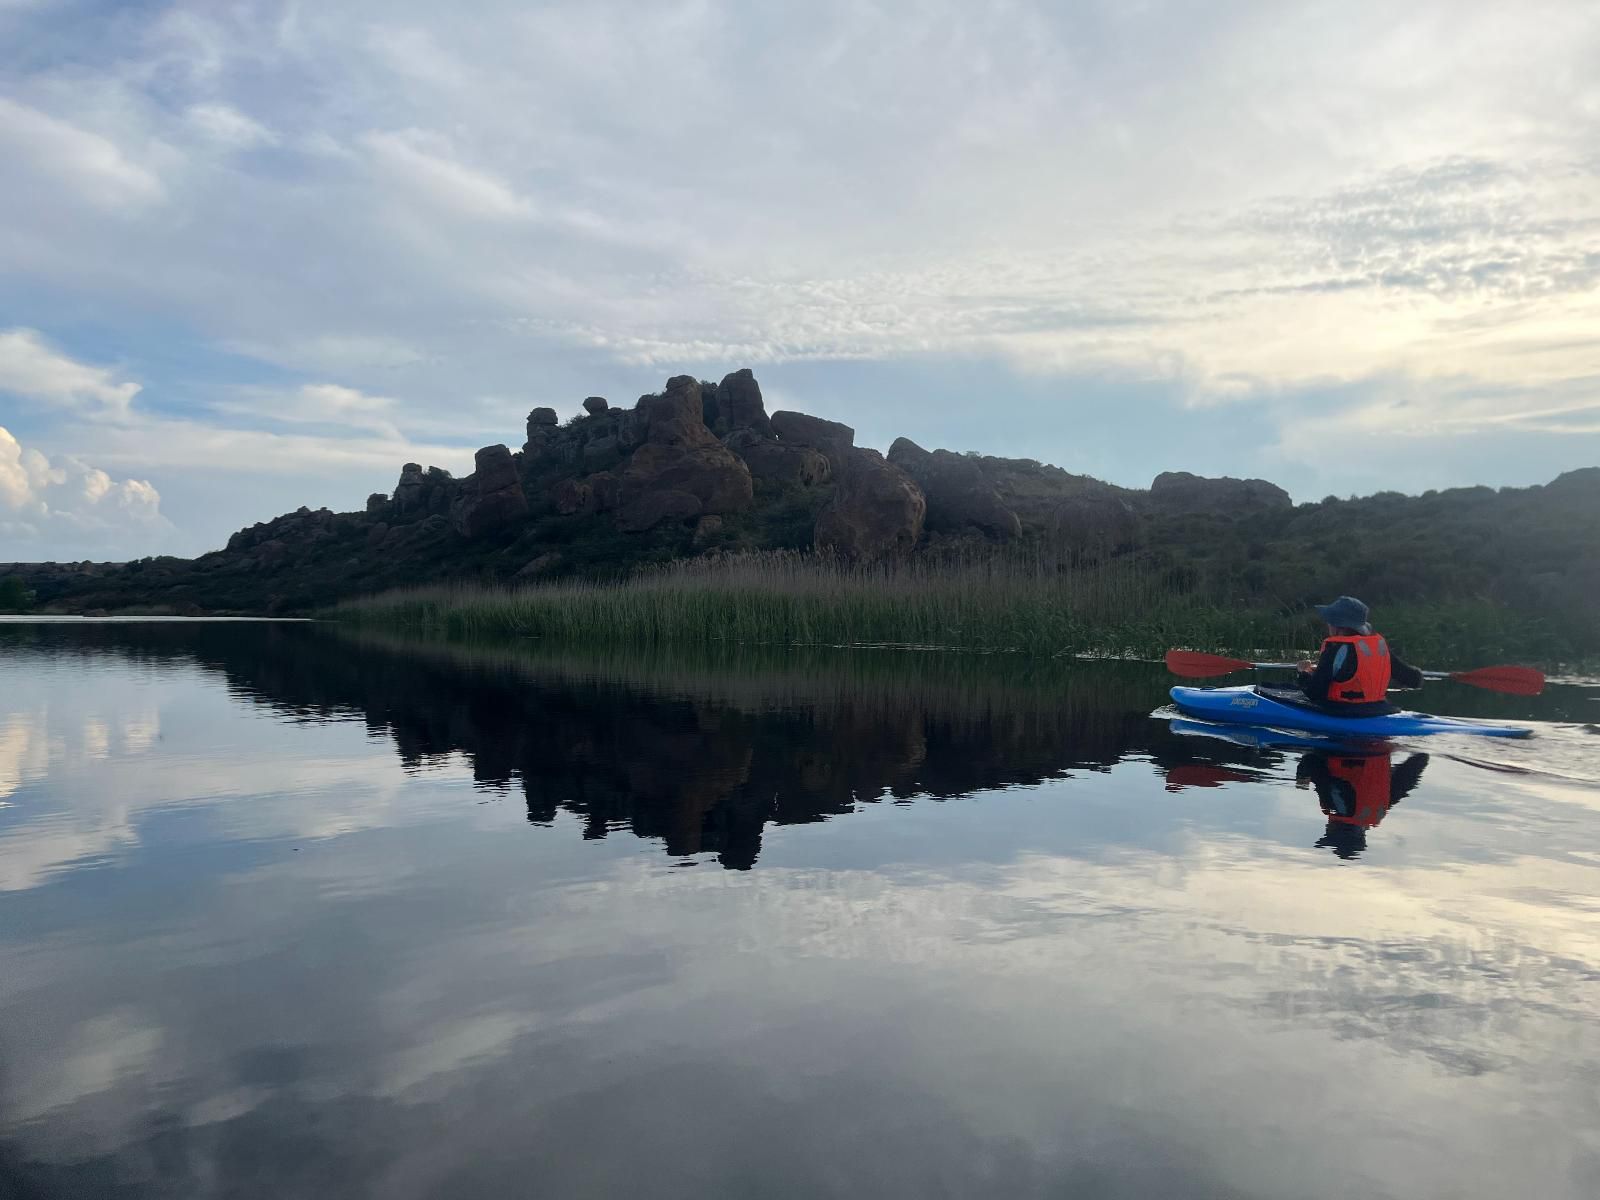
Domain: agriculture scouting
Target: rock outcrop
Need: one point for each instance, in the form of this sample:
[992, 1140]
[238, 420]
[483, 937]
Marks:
[739, 405]
[959, 493]
[1175, 491]
[680, 458]
[646, 510]
[835, 441]
[614, 488]
[491, 497]
[876, 513]
[1095, 523]
[418, 494]
[573, 497]
[779, 462]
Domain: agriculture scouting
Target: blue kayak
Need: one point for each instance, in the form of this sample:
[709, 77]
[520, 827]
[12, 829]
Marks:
[1278, 709]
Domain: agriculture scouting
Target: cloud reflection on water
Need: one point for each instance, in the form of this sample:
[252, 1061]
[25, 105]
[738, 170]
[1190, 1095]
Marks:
[318, 966]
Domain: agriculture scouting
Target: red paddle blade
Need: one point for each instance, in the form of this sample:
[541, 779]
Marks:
[1195, 665]
[1518, 681]
[1202, 775]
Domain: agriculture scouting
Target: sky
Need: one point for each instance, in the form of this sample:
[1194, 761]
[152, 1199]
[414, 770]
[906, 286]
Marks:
[258, 254]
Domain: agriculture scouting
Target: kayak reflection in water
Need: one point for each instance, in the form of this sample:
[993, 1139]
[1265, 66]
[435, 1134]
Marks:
[1356, 789]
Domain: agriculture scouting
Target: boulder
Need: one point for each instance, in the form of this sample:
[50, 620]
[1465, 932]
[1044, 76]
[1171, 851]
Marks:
[494, 469]
[711, 473]
[573, 498]
[674, 418]
[600, 451]
[679, 456]
[779, 462]
[958, 492]
[876, 513]
[739, 404]
[834, 440]
[649, 509]
[377, 504]
[1095, 522]
[908, 456]
[409, 496]
[542, 565]
[595, 405]
[418, 493]
[1179, 491]
[630, 429]
[491, 497]
[440, 489]
[542, 418]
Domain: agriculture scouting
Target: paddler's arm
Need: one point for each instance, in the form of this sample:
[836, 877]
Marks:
[1402, 674]
[1314, 683]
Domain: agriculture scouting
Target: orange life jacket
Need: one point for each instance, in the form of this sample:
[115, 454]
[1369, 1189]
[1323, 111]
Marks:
[1371, 679]
[1368, 777]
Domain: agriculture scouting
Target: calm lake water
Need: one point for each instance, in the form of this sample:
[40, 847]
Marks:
[288, 914]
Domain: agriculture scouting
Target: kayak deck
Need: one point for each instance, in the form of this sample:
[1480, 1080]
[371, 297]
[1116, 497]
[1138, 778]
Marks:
[1247, 706]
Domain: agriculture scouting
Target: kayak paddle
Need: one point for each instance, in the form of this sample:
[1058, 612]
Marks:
[1518, 681]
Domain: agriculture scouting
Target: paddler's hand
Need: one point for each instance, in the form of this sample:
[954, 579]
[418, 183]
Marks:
[1305, 666]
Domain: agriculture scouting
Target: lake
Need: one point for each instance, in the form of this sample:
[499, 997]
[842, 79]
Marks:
[288, 913]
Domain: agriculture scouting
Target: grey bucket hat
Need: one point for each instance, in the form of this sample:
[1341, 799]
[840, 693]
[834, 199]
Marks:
[1346, 612]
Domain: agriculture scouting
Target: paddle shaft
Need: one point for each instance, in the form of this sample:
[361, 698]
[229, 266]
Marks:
[1296, 667]
[1517, 681]
[1287, 666]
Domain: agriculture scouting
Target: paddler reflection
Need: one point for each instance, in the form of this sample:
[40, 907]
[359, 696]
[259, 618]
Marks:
[1356, 789]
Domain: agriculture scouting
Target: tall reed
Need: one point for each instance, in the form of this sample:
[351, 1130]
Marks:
[1002, 604]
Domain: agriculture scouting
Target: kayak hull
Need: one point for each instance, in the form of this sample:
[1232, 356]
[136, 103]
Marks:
[1245, 706]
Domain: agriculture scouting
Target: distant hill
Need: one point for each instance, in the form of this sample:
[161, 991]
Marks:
[704, 468]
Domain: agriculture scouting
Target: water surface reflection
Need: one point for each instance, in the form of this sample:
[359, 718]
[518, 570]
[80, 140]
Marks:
[275, 922]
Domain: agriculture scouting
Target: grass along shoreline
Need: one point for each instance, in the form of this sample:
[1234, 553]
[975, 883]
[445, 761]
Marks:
[1036, 609]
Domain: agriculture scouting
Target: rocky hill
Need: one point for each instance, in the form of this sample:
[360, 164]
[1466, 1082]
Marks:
[703, 467]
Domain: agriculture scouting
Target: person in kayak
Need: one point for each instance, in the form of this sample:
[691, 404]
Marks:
[1353, 674]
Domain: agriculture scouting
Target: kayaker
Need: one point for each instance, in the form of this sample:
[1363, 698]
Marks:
[1356, 668]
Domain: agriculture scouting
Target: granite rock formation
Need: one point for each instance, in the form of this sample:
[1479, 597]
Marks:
[959, 493]
[876, 513]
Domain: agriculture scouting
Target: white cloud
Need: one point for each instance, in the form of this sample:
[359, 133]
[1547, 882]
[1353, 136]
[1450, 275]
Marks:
[328, 404]
[1234, 201]
[31, 369]
[194, 445]
[48, 502]
[335, 353]
[423, 165]
[225, 124]
[90, 166]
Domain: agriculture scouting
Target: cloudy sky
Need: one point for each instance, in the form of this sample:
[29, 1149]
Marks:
[256, 254]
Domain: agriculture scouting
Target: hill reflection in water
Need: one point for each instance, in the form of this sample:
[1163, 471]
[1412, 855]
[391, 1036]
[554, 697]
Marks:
[276, 924]
[703, 752]
[700, 753]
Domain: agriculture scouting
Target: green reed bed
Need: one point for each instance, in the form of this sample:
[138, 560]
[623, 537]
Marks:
[809, 600]
[1015, 605]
